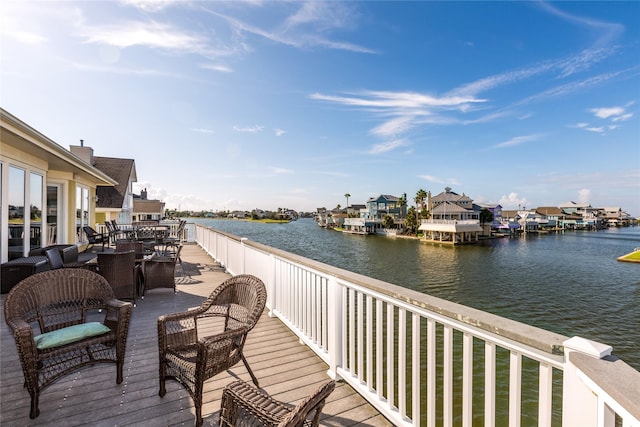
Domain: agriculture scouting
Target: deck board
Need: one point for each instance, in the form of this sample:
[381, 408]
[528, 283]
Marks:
[285, 368]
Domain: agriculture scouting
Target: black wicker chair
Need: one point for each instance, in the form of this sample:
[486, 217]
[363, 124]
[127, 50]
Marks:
[191, 357]
[49, 314]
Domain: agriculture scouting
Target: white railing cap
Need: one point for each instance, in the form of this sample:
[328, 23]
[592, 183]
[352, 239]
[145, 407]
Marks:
[588, 347]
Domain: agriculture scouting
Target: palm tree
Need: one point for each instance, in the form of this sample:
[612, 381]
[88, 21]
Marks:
[421, 195]
[402, 201]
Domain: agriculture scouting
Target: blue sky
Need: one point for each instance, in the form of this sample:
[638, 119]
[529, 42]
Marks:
[267, 104]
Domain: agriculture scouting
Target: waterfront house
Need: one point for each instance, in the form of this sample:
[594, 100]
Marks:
[57, 185]
[113, 202]
[385, 204]
[453, 219]
[148, 210]
[589, 216]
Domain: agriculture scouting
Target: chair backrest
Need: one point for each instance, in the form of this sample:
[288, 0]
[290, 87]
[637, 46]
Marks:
[57, 298]
[244, 296]
[119, 270]
[109, 226]
[54, 257]
[314, 402]
[137, 247]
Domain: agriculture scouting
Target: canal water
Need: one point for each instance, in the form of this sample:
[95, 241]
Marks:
[569, 283]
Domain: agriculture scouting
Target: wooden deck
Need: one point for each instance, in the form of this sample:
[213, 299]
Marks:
[285, 368]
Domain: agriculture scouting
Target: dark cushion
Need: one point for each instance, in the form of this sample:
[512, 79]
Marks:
[55, 260]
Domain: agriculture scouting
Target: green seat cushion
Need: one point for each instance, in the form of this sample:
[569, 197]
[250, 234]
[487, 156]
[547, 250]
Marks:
[69, 334]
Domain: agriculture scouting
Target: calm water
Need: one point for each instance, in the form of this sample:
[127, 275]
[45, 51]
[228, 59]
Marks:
[567, 283]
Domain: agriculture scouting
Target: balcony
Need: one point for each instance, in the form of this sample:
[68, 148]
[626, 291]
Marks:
[90, 396]
[401, 357]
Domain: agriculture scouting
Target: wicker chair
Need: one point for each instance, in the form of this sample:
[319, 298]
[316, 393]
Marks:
[245, 405]
[122, 273]
[49, 312]
[189, 356]
[137, 247]
[159, 272]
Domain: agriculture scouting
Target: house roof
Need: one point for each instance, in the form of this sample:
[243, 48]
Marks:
[549, 210]
[450, 196]
[18, 134]
[448, 208]
[387, 197]
[148, 206]
[120, 170]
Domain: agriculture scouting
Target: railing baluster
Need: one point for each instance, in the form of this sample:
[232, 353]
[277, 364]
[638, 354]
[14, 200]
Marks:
[545, 395]
[360, 344]
[431, 372]
[369, 342]
[515, 383]
[402, 362]
[447, 386]
[379, 349]
[391, 354]
[489, 384]
[416, 362]
[467, 380]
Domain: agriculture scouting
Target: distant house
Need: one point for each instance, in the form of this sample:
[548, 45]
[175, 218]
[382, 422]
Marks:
[383, 205]
[589, 216]
[453, 219]
[112, 202]
[145, 209]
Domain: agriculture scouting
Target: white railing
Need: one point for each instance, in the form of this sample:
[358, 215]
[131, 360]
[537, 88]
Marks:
[425, 361]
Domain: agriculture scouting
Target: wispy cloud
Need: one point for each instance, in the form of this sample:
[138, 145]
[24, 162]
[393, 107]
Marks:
[202, 130]
[154, 35]
[616, 114]
[518, 140]
[25, 37]
[217, 67]
[250, 129]
[280, 171]
[279, 132]
[436, 180]
[384, 147]
[307, 27]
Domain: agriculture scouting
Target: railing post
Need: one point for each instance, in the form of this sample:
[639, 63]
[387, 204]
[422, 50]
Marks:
[579, 403]
[334, 326]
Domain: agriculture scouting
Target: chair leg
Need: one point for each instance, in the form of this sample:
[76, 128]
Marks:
[246, 365]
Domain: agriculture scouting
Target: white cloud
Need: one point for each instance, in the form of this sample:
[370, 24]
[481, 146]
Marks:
[25, 37]
[448, 181]
[279, 132]
[517, 141]
[387, 146]
[513, 201]
[202, 130]
[217, 67]
[280, 171]
[250, 129]
[605, 113]
[584, 196]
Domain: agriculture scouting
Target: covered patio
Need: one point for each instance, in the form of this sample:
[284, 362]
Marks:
[286, 369]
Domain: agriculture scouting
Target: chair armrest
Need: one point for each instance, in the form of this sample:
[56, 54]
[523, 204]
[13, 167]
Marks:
[221, 351]
[23, 335]
[177, 329]
[239, 394]
[118, 314]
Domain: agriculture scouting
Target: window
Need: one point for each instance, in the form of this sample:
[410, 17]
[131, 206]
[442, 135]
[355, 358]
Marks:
[82, 210]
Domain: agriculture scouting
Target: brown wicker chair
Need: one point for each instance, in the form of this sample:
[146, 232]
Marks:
[122, 273]
[189, 356]
[245, 405]
[159, 272]
[49, 306]
[137, 247]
